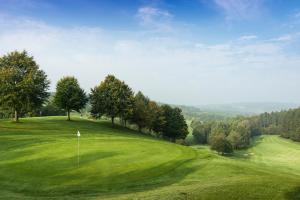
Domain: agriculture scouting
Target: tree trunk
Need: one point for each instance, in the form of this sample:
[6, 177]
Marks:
[113, 120]
[69, 118]
[125, 122]
[16, 116]
[140, 129]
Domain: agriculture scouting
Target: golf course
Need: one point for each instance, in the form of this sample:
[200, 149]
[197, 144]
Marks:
[39, 160]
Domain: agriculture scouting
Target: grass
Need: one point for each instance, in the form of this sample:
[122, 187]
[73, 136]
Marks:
[38, 160]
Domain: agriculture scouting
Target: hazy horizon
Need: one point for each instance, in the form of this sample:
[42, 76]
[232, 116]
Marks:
[180, 52]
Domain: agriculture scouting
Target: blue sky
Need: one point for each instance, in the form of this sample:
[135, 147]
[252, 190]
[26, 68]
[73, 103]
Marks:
[180, 51]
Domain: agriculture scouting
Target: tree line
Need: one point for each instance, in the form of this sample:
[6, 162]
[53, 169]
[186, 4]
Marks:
[284, 123]
[236, 133]
[24, 90]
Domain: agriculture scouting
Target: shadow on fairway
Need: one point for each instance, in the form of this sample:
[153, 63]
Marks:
[244, 153]
[55, 178]
[123, 183]
[294, 194]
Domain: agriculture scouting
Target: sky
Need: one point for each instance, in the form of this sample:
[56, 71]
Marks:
[190, 52]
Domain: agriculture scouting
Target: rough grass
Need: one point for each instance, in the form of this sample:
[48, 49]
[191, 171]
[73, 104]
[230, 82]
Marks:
[38, 160]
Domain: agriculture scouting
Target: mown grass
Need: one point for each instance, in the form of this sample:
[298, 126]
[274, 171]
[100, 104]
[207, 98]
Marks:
[38, 160]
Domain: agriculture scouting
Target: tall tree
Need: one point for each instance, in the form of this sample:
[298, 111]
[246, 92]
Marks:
[235, 139]
[23, 86]
[112, 98]
[201, 132]
[69, 96]
[156, 118]
[175, 126]
[218, 128]
[141, 111]
[105, 98]
[98, 100]
[221, 144]
[126, 102]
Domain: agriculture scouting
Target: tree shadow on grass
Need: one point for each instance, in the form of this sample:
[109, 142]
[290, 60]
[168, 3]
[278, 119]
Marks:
[18, 143]
[59, 178]
[244, 153]
[34, 176]
[294, 194]
[128, 182]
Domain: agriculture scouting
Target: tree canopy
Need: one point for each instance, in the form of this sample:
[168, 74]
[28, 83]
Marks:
[175, 126]
[112, 98]
[69, 96]
[221, 144]
[141, 112]
[23, 86]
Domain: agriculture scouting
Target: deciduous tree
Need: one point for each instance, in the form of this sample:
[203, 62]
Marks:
[156, 118]
[175, 126]
[141, 115]
[23, 86]
[220, 144]
[112, 98]
[69, 96]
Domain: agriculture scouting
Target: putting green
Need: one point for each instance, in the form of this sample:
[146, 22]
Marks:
[38, 160]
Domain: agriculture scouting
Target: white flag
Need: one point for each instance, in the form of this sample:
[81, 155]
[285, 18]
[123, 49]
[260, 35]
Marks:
[78, 134]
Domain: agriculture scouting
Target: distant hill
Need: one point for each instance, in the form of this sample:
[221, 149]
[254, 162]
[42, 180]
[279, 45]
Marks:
[217, 112]
[192, 112]
[247, 108]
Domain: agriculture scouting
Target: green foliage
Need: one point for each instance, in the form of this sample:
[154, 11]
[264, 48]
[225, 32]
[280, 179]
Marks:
[284, 123]
[220, 144]
[23, 86]
[217, 129]
[244, 130]
[112, 98]
[5, 112]
[126, 104]
[201, 132]
[239, 130]
[288, 122]
[235, 139]
[175, 126]
[157, 118]
[69, 96]
[141, 113]
[50, 108]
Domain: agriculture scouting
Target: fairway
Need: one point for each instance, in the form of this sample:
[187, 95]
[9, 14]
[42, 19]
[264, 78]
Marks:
[38, 160]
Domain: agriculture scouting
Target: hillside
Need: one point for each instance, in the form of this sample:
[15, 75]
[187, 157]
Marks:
[219, 112]
[247, 108]
[39, 161]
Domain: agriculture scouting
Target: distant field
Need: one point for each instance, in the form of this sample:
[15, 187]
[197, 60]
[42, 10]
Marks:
[38, 160]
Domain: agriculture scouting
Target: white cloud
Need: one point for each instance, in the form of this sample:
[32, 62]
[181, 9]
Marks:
[247, 37]
[167, 69]
[240, 9]
[283, 38]
[152, 17]
[287, 37]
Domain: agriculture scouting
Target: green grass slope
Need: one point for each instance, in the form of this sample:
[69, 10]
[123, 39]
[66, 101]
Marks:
[38, 160]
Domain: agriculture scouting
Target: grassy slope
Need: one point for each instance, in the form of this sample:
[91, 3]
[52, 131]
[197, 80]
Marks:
[38, 159]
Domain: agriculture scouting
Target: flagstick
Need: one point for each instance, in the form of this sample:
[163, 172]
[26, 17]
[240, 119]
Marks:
[78, 136]
[78, 153]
